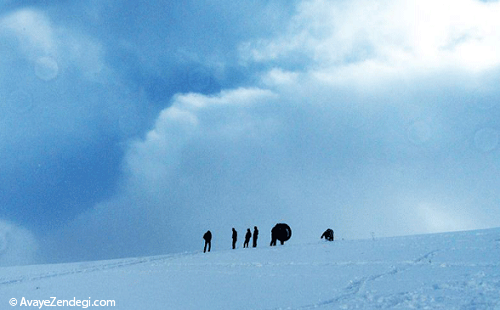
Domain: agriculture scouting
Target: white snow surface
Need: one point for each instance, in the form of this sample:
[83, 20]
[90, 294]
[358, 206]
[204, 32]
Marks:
[459, 270]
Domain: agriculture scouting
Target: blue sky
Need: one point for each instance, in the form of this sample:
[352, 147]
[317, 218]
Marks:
[130, 128]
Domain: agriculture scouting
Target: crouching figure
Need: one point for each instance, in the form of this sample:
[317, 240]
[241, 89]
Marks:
[328, 235]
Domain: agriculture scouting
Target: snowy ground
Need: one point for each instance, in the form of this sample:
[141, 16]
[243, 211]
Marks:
[440, 271]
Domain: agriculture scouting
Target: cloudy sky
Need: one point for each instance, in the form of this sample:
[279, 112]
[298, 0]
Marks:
[130, 128]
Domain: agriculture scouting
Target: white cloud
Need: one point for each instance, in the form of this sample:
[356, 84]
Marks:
[161, 151]
[34, 31]
[397, 36]
[435, 218]
[17, 245]
[40, 40]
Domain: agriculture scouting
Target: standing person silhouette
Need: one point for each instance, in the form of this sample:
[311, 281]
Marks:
[235, 237]
[248, 235]
[255, 236]
[208, 241]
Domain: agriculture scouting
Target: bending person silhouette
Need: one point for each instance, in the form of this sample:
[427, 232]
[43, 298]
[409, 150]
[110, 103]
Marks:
[235, 237]
[328, 235]
[248, 235]
[208, 241]
[281, 232]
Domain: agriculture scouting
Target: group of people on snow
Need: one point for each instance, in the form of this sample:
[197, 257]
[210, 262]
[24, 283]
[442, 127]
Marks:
[280, 231]
[248, 236]
[208, 238]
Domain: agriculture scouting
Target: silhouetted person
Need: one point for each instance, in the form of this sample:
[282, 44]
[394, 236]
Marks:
[328, 235]
[248, 235]
[235, 237]
[255, 236]
[281, 232]
[208, 241]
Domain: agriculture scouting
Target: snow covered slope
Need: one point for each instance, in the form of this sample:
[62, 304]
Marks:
[441, 271]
